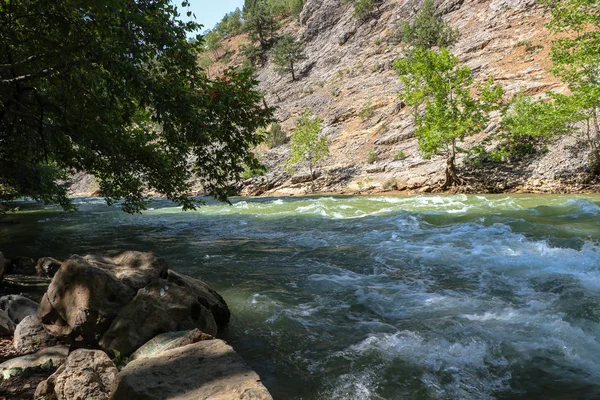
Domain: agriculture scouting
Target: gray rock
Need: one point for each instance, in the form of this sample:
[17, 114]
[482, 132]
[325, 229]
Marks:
[212, 371]
[159, 307]
[56, 354]
[168, 341]
[86, 375]
[30, 335]
[18, 307]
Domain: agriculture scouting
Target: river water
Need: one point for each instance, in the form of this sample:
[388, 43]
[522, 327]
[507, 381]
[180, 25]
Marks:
[425, 297]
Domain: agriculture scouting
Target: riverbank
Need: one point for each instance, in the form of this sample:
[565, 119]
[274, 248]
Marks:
[135, 327]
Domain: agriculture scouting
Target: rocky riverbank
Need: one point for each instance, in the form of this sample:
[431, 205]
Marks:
[118, 325]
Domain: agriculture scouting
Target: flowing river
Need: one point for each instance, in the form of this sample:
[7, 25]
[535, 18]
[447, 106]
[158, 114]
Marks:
[425, 297]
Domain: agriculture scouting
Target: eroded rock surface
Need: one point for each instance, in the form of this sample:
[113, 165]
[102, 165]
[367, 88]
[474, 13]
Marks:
[169, 341]
[18, 307]
[86, 375]
[208, 369]
[30, 335]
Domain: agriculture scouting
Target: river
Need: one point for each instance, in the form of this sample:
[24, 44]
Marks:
[423, 297]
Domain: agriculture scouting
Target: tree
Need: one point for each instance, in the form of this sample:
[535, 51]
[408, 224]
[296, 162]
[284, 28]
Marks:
[363, 9]
[113, 88]
[213, 43]
[260, 22]
[288, 51]
[447, 105]
[576, 56]
[307, 145]
[428, 29]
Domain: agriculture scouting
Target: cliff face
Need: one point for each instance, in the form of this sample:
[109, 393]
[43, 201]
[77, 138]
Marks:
[349, 70]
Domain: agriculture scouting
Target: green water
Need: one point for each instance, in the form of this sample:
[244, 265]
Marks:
[426, 297]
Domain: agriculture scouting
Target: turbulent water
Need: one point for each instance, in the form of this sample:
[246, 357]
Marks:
[426, 297]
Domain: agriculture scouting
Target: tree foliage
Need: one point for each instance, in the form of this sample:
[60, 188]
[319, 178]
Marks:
[260, 22]
[576, 60]
[113, 88]
[448, 106]
[286, 54]
[307, 145]
[428, 29]
[231, 24]
[363, 9]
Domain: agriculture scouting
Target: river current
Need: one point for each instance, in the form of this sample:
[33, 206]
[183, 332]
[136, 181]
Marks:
[424, 297]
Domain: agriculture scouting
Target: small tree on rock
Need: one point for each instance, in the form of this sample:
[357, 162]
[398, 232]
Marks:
[288, 52]
[429, 29]
[307, 144]
[448, 106]
[260, 22]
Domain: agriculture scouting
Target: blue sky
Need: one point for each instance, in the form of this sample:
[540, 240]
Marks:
[209, 12]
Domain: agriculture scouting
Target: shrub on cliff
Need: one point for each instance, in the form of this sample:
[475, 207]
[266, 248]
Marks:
[260, 22]
[286, 54]
[428, 29]
[307, 144]
[113, 88]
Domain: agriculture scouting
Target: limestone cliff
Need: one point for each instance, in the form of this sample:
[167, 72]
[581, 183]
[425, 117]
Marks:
[349, 68]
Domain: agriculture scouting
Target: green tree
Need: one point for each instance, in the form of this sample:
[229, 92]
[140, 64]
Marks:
[296, 7]
[231, 24]
[260, 22]
[286, 54]
[363, 9]
[429, 29]
[113, 88]
[448, 106]
[575, 56]
[307, 145]
[213, 42]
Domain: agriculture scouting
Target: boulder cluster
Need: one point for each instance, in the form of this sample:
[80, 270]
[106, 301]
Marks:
[123, 325]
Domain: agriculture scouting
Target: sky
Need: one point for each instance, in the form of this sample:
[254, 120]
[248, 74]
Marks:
[209, 12]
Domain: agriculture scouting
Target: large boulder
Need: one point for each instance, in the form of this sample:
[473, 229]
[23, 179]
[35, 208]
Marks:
[7, 326]
[208, 369]
[18, 307]
[30, 335]
[169, 341]
[47, 266]
[206, 296]
[82, 301]
[21, 266]
[157, 308]
[56, 355]
[86, 375]
[134, 268]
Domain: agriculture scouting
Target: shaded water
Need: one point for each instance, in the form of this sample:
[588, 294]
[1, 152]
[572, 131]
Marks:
[426, 297]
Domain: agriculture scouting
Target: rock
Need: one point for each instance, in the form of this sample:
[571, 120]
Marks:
[212, 371]
[2, 265]
[206, 296]
[82, 300]
[56, 354]
[47, 266]
[18, 307]
[7, 326]
[21, 266]
[168, 341]
[134, 268]
[86, 375]
[159, 307]
[30, 335]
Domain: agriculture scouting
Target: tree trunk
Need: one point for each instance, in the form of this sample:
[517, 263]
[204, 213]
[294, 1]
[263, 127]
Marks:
[292, 69]
[452, 177]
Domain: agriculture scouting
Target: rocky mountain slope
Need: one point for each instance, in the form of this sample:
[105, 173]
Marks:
[349, 70]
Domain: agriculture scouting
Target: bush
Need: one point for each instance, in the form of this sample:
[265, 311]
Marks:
[428, 29]
[363, 9]
[399, 155]
[367, 111]
[276, 136]
[372, 157]
[253, 172]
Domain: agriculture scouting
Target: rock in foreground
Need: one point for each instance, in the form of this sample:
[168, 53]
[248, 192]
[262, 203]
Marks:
[208, 369]
[86, 375]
